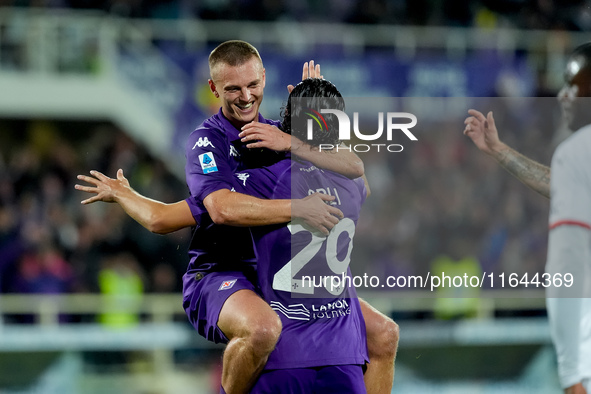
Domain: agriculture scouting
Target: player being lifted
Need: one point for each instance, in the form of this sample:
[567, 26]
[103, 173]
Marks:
[569, 190]
[322, 347]
[235, 314]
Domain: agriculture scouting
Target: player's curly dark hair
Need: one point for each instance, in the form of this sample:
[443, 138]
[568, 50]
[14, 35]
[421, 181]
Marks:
[313, 94]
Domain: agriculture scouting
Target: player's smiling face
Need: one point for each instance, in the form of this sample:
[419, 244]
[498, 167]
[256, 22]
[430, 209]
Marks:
[240, 89]
[575, 95]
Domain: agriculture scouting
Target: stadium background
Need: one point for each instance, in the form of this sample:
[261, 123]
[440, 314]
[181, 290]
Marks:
[91, 301]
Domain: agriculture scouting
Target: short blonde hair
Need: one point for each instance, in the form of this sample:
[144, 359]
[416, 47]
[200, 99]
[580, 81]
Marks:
[232, 53]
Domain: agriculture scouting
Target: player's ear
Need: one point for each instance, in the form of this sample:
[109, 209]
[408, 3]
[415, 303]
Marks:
[213, 88]
[263, 77]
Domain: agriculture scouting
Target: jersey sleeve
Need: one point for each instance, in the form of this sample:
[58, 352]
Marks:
[570, 190]
[261, 182]
[208, 167]
[197, 209]
[284, 187]
[362, 189]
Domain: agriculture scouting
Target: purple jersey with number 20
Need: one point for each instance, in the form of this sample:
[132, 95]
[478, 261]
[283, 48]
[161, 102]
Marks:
[321, 325]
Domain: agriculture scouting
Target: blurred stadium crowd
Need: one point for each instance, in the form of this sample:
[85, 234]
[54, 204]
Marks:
[527, 14]
[49, 243]
[442, 198]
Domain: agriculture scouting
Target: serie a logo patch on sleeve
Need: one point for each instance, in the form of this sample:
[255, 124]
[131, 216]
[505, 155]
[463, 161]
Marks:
[227, 284]
[207, 162]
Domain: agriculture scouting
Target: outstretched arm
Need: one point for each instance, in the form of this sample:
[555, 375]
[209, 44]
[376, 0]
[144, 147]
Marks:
[341, 160]
[156, 216]
[483, 132]
[241, 210]
[224, 207]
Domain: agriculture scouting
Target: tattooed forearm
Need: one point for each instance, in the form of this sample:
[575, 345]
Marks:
[531, 173]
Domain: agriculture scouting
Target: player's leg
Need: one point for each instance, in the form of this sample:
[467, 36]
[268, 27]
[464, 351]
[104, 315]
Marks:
[225, 307]
[382, 344]
[253, 329]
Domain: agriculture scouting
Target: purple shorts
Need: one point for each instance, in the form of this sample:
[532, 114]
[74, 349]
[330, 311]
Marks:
[204, 296]
[337, 379]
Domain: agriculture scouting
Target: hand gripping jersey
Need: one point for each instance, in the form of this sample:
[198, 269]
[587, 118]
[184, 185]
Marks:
[322, 325]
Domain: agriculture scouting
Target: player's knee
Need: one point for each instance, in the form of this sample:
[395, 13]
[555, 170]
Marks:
[384, 341]
[264, 334]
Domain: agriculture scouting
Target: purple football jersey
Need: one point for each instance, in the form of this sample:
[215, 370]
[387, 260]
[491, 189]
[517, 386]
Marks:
[214, 153]
[321, 325]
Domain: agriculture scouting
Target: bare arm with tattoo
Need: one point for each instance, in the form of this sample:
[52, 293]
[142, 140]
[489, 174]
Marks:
[483, 132]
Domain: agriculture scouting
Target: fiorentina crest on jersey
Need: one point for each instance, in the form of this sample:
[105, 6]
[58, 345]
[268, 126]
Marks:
[227, 284]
